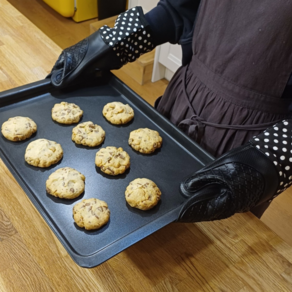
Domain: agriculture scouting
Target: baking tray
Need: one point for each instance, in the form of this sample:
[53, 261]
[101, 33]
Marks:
[178, 158]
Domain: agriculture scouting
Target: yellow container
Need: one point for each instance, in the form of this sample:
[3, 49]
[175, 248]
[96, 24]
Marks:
[65, 7]
[79, 10]
[85, 9]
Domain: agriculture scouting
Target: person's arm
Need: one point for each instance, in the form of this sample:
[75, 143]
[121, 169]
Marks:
[243, 179]
[133, 35]
[104, 50]
[173, 21]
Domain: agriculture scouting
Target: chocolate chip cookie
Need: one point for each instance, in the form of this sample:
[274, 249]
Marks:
[118, 113]
[145, 140]
[43, 153]
[91, 213]
[66, 113]
[18, 128]
[112, 160]
[65, 183]
[142, 193]
[88, 134]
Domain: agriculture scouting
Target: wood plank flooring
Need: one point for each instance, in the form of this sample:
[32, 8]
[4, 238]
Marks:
[66, 32]
[63, 31]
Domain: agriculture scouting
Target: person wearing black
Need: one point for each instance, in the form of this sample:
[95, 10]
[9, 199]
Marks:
[232, 94]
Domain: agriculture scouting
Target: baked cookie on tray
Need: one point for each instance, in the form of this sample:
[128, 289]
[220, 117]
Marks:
[118, 113]
[66, 113]
[142, 193]
[88, 134]
[145, 140]
[65, 183]
[91, 213]
[112, 160]
[43, 153]
[18, 128]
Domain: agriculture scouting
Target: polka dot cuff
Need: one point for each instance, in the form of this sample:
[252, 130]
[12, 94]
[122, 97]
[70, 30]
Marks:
[130, 37]
[276, 143]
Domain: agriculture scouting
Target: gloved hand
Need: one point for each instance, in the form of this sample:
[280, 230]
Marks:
[242, 179]
[107, 49]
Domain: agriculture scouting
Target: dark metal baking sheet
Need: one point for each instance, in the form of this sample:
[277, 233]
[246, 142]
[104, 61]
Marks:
[177, 158]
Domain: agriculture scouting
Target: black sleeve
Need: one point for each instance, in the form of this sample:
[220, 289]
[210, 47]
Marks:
[173, 21]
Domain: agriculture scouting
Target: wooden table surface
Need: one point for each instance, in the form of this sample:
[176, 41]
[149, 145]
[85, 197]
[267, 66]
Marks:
[237, 254]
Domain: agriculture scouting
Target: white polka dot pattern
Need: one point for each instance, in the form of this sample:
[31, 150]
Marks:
[130, 37]
[276, 143]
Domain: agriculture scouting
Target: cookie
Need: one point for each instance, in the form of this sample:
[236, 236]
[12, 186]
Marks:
[43, 153]
[66, 113]
[91, 213]
[145, 140]
[112, 160]
[65, 183]
[118, 113]
[142, 193]
[18, 128]
[88, 134]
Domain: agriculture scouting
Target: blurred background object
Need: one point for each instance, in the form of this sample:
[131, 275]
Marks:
[109, 8]
[81, 10]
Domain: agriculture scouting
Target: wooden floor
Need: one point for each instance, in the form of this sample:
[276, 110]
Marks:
[66, 32]
[63, 31]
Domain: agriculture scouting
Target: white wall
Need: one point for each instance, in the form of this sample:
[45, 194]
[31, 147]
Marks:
[146, 4]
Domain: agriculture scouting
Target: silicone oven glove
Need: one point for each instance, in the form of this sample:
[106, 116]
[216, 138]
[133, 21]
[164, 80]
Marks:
[107, 49]
[242, 179]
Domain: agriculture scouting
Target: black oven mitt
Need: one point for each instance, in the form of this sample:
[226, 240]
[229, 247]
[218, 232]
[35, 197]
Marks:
[107, 49]
[234, 183]
[243, 179]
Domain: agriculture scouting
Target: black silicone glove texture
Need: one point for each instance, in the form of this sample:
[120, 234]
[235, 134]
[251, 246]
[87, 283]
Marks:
[105, 50]
[235, 182]
[82, 60]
